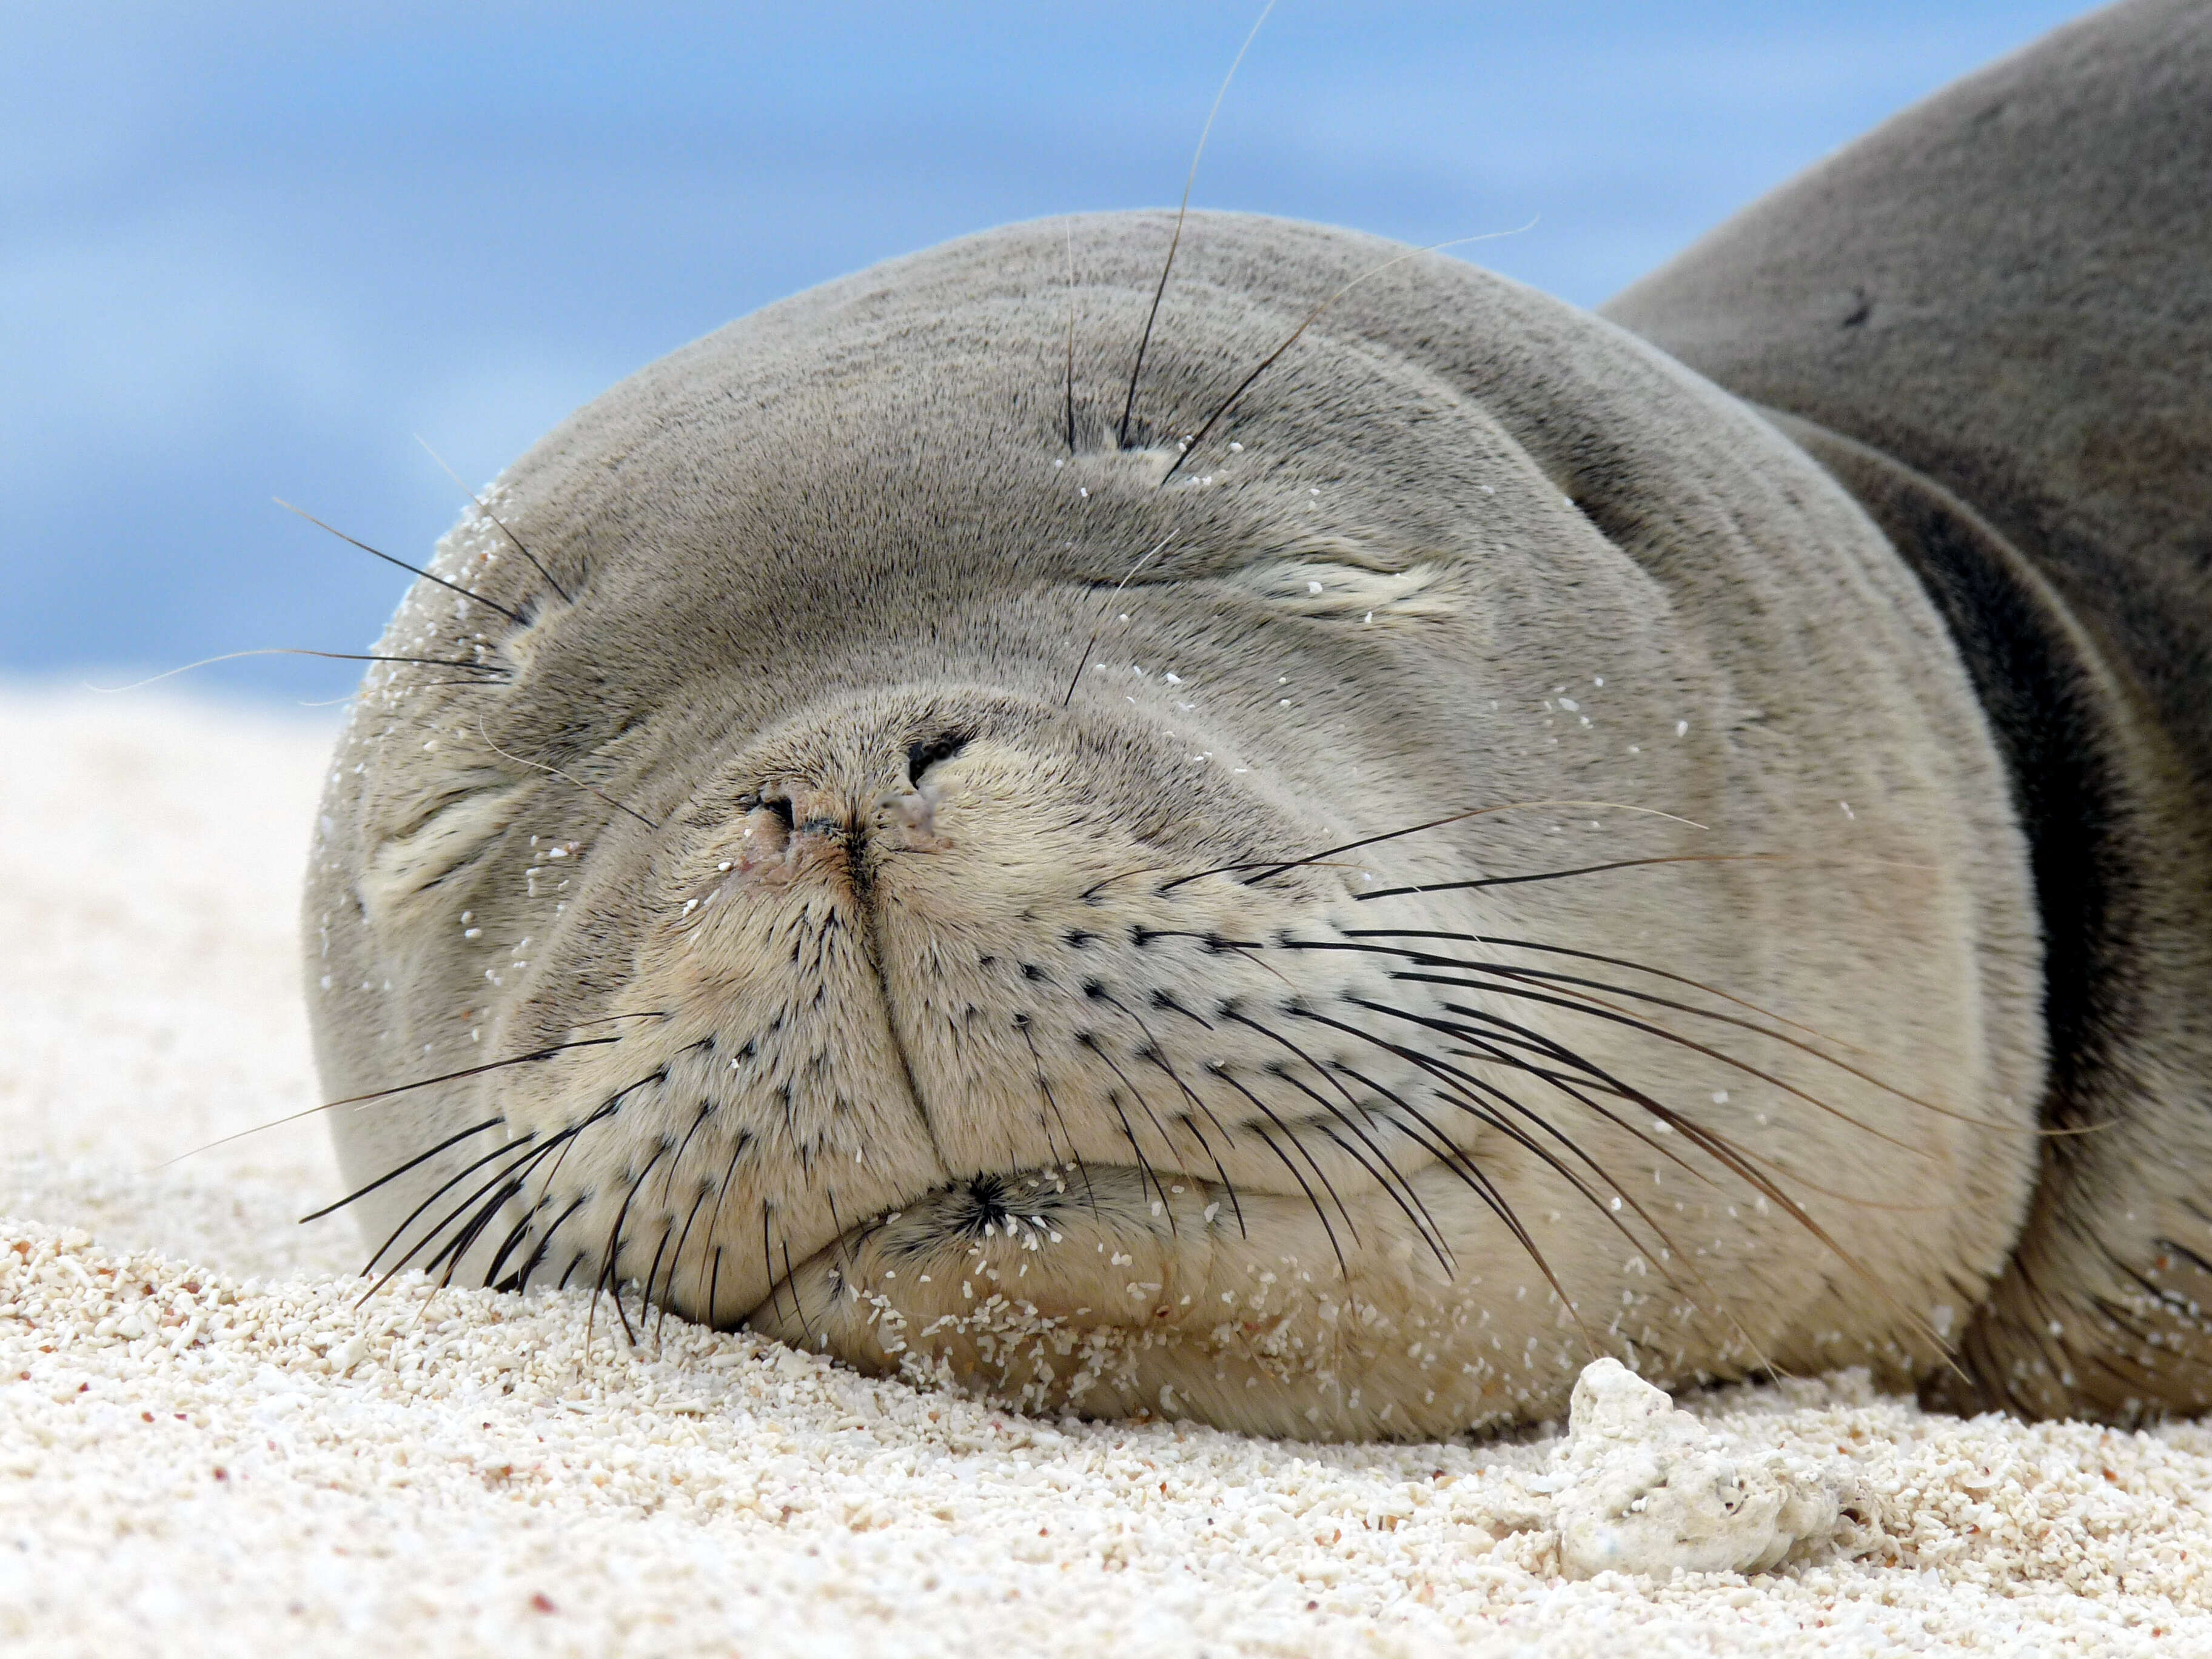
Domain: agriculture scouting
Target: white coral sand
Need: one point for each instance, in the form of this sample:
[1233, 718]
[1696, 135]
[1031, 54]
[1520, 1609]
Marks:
[209, 1444]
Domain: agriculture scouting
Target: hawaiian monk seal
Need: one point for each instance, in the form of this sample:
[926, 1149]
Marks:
[1315, 872]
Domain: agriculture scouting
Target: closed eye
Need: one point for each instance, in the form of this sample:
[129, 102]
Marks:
[1325, 588]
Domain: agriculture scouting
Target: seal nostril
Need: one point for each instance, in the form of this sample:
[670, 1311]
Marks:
[781, 808]
[921, 757]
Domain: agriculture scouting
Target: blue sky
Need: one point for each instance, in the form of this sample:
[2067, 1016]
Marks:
[253, 249]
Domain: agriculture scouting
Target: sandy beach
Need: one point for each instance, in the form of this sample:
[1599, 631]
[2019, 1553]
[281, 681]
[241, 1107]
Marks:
[211, 1442]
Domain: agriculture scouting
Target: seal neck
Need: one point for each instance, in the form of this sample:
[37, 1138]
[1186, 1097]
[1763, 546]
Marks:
[2057, 714]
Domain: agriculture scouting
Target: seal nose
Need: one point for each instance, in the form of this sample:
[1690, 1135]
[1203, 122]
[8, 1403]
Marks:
[806, 812]
[787, 828]
[923, 755]
[798, 823]
[913, 808]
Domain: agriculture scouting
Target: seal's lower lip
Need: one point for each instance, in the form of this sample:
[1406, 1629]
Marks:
[987, 1206]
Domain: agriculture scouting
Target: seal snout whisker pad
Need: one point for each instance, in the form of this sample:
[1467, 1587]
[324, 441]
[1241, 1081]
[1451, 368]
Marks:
[1505, 861]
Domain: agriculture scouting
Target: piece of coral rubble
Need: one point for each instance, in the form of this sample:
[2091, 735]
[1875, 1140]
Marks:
[1641, 1487]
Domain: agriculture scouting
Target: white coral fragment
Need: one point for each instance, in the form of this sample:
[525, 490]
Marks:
[1641, 1487]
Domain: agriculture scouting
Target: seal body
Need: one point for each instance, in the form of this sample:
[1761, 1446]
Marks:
[1992, 320]
[1317, 911]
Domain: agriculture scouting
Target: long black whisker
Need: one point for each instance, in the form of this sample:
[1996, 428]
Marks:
[1219, 1071]
[567, 1140]
[1455, 818]
[1090, 1193]
[1707, 1140]
[1121, 437]
[522, 1174]
[1554, 977]
[380, 1093]
[1166, 1000]
[1480, 881]
[737, 1145]
[1457, 1163]
[1678, 979]
[1244, 386]
[485, 1214]
[1207, 1147]
[1462, 1087]
[1236, 1206]
[667, 1181]
[1070, 338]
[1269, 868]
[301, 651]
[1153, 1053]
[1423, 1224]
[1394, 1183]
[611, 1264]
[1596, 1010]
[837, 1222]
[1320, 1214]
[1429, 1233]
[511, 1183]
[1492, 1046]
[394, 1175]
[513, 1241]
[767, 1264]
[668, 1291]
[514, 617]
[484, 508]
[562, 1145]
[1434, 959]
[1488, 1047]
[791, 1274]
[512, 1148]
[652, 1272]
[1457, 1082]
[525, 1152]
[1144, 1171]
[1522, 1139]
[1438, 1145]
[531, 1058]
[521, 1280]
[768, 1268]
[1722, 1151]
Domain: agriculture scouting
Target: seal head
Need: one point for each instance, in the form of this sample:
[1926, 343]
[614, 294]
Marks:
[1487, 858]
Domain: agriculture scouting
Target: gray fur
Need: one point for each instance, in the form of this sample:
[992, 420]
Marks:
[858, 1017]
[1992, 320]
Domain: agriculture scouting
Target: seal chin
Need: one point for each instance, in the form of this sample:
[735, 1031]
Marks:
[1105, 1291]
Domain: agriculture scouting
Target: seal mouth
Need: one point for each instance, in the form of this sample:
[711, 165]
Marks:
[1114, 1245]
[1030, 1212]
[1111, 1290]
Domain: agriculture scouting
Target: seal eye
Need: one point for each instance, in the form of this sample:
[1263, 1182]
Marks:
[921, 757]
[1332, 584]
